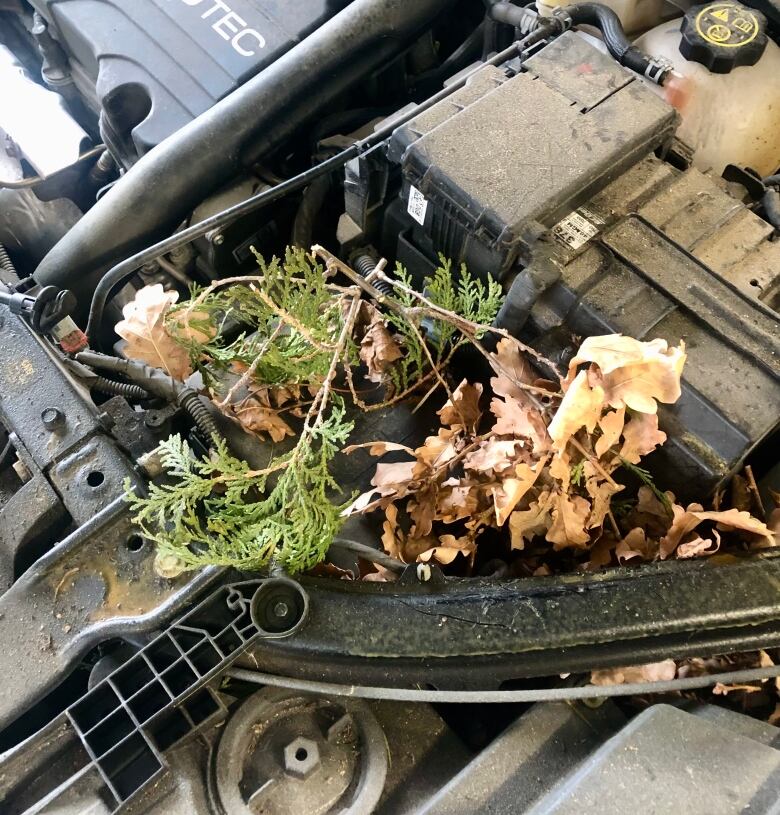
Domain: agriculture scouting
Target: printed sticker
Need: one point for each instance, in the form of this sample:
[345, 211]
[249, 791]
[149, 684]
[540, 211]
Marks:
[575, 230]
[418, 205]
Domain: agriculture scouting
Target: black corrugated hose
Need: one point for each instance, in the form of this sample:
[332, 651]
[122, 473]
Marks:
[6, 264]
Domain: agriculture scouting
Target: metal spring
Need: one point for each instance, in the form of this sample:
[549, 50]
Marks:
[364, 265]
[5, 261]
[199, 413]
[131, 392]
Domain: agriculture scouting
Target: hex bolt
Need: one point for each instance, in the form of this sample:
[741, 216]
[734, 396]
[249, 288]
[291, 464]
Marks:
[301, 757]
[281, 609]
[52, 418]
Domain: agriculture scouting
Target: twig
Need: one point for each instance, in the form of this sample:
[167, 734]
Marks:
[593, 460]
[754, 489]
[250, 372]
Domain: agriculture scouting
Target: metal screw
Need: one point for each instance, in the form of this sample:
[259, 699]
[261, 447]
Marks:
[51, 418]
[281, 609]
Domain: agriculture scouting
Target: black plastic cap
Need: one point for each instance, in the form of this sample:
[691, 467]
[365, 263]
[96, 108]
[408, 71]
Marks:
[723, 36]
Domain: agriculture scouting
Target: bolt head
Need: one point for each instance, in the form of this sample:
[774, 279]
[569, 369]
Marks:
[281, 609]
[52, 418]
[301, 757]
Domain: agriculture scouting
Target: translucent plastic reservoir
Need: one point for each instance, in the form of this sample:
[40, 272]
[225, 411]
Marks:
[729, 118]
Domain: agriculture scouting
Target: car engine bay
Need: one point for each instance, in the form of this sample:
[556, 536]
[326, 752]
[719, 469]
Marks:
[612, 169]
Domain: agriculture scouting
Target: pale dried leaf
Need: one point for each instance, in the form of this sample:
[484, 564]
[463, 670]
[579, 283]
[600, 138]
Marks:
[507, 495]
[641, 436]
[378, 448]
[435, 452]
[634, 373]
[493, 455]
[699, 546]
[600, 493]
[636, 546]
[516, 419]
[449, 547]
[686, 520]
[611, 425]
[524, 525]
[148, 339]
[581, 407]
[457, 502]
[651, 672]
[569, 514]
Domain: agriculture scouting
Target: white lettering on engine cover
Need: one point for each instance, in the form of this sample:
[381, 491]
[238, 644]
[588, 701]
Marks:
[229, 25]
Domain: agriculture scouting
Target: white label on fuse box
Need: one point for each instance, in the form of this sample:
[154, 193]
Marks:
[418, 205]
[575, 230]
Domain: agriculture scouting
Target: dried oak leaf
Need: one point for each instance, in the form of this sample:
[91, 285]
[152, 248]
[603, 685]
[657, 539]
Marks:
[462, 412]
[507, 495]
[448, 548]
[378, 349]
[524, 525]
[633, 373]
[256, 418]
[699, 546]
[611, 426]
[636, 546]
[494, 455]
[581, 406]
[516, 413]
[651, 672]
[456, 501]
[686, 520]
[435, 452]
[147, 337]
[600, 493]
[641, 436]
[569, 515]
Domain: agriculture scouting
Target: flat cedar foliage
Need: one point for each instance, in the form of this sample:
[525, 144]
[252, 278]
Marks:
[539, 464]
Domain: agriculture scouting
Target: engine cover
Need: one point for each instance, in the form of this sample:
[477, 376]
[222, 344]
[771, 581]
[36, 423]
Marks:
[150, 66]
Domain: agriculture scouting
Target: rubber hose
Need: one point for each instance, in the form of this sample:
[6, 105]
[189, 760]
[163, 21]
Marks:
[162, 189]
[132, 392]
[522, 18]
[310, 207]
[618, 44]
[566, 694]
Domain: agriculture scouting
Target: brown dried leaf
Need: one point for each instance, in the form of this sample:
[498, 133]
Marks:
[148, 340]
[435, 452]
[515, 419]
[634, 373]
[258, 419]
[686, 520]
[600, 495]
[569, 514]
[611, 425]
[457, 502]
[507, 495]
[378, 349]
[651, 672]
[448, 548]
[510, 367]
[641, 436]
[699, 546]
[636, 545]
[379, 448]
[524, 525]
[493, 455]
[581, 407]
[462, 411]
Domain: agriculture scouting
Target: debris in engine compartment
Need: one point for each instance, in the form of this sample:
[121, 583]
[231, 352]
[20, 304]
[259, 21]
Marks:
[510, 439]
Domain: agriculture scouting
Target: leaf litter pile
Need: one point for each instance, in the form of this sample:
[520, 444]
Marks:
[546, 472]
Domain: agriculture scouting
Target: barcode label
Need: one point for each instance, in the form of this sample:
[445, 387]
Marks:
[575, 230]
[418, 205]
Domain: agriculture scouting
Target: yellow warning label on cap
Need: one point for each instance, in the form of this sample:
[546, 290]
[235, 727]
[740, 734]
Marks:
[727, 25]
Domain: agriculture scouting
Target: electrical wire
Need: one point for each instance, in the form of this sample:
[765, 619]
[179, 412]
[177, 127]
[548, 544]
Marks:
[567, 694]
[119, 273]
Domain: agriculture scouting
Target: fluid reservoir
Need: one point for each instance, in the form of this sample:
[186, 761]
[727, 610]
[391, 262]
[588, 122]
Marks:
[726, 84]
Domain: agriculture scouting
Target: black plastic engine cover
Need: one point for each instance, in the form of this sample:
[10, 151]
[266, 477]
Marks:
[153, 65]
